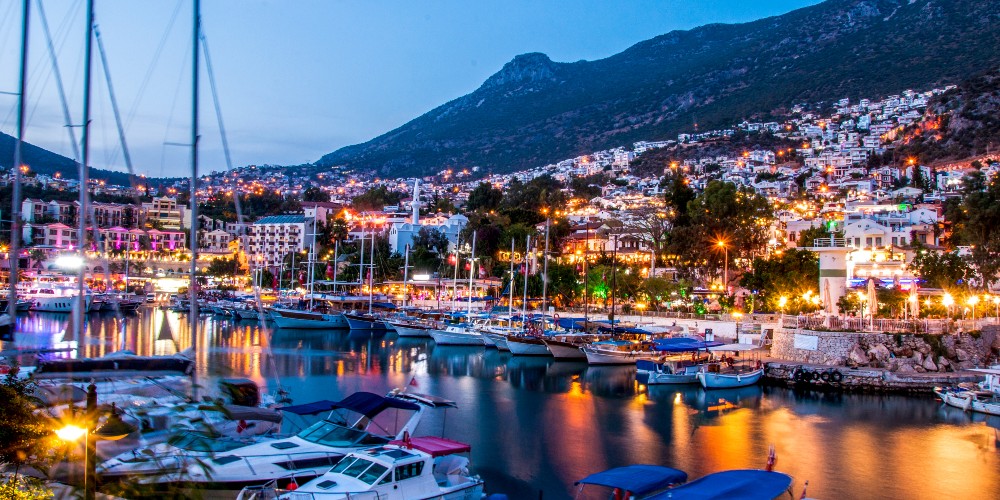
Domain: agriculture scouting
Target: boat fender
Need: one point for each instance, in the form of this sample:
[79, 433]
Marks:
[836, 377]
[814, 376]
[798, 375]
[555, 318]
[825, 376]
[292, 485]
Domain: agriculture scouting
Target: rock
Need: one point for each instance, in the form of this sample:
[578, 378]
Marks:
[905, 368]
[924, 349]
[965, 365]
[904, 352]
[858, 355]
[962, 354]
[893, 364]
[879, 352]
[929, 365]
[918, 357]
[943, 363]
[920, 369]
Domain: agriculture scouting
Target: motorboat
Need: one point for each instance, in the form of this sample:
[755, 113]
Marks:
[405, 328]
[357, 422]
[57, 298]
[421, 468]
[457, 335]
[124, 363]
[667, 372]
[729, 373]
[630, 481]
[567, 345]
[303, 319]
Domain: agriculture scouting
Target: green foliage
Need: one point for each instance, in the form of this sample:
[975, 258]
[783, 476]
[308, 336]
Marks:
[791, 275]
[314, 193]
[375, 199]
[849, 303]
[940, 270]
[976, 223]
[222, 207]
[222, 267]
[587, 187]
[22, 433]
[807, 237]
[485, 197]
[523, 202]
[22, 488]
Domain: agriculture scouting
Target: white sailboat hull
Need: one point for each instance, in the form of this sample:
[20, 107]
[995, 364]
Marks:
[404, 330]
[967, 400]
[611, 357]
[527, 347]
[457, 337]
[564, 350]
[499, 341]
[290, 318]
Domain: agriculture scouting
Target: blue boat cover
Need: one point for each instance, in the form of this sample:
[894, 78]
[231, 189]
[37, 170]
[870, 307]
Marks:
[639, 479]
[732, 485]
[682, 344]
[625, 329]
[569, 323]
[643, 364]
[310, 408]
[369, 404]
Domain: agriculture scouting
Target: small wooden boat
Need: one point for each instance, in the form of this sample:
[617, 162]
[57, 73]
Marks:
[979, 401]
[618, 352]
[668, 372]
[721, 379]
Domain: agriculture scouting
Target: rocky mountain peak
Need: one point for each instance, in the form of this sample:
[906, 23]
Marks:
[525, 68]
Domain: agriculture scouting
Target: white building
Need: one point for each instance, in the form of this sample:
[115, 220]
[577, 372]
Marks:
[276, 236]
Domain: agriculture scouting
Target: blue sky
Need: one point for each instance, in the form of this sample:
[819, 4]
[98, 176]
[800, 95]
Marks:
[301, 78]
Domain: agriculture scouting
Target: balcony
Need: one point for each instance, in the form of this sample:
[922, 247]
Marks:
[830, 243]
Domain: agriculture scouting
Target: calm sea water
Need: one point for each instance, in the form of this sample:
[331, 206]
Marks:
[537, 425]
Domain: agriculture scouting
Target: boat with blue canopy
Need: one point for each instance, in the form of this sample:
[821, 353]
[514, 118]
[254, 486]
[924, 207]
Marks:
[633, 481]
[731, 485]
[676, 369]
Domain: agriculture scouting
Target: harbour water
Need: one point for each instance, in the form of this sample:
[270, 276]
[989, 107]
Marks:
[537, 425]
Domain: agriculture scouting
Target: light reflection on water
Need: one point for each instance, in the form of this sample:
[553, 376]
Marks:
[536, 424]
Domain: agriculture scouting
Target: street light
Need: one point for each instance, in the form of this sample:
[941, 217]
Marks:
[948, 301]
[972, 301]
[725, 274]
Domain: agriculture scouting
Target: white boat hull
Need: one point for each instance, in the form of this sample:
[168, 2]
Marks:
[527, 347]
[410, 331]
[498, 340]
[464, 337]
[609, 357]
[64, 304]
[565, 350]
[289, 318]
[711, 380]
[967, 400]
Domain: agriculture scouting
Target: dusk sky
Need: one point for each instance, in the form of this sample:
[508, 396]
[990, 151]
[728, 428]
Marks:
[298, 79]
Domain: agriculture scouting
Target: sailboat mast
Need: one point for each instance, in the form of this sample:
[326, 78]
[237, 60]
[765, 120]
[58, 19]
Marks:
[586, 285]
[545, 268]
[524, 303]
[312, 263]
[454, 281]
[15, 213]
[406, 270]
[472, 270]
[510, 303]
[336, 260]
[192, 289]
[81, 213]
[371, 272]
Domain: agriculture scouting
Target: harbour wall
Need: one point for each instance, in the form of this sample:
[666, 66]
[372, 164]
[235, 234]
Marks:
[897, 353]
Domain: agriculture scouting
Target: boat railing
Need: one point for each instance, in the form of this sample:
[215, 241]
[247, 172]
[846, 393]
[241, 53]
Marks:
[347, 495]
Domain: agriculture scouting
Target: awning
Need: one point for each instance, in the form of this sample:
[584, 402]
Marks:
[310, 408]
[683, 344]
[732, 485]
[639, 479]
[734, 347]
[435, 446]
[369, 404]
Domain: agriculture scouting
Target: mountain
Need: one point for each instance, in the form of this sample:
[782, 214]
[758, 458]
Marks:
[535, 111]
[43, 161]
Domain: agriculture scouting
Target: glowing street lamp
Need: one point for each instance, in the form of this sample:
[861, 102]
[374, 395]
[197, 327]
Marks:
[725, 274]
[972, 301]
[782, 302]
[948, 301]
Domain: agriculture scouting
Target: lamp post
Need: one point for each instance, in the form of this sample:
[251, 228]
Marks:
[113, 430]
[725, 274]
[996, 303]
[947, 301]
[972, 301]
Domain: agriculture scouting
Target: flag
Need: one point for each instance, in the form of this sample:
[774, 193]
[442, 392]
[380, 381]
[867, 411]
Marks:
[241, 426]
[804, 488]
[329, 271]
[482, 272]
[413, 382]
[468, 266]
[274, 282]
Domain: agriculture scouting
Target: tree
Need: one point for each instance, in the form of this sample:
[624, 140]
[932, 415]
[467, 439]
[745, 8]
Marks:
[314, 193]
[431, 239]
[485, 196]
[376, 198]
[791, 275]
[22, 432]
[224, 267]
[809, 236]
[976, 222]
[653, 227]
[941, 270]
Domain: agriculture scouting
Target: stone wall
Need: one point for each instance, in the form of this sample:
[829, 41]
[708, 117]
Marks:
[902, 353]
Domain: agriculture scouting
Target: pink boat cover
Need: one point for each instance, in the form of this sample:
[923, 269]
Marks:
[434, 446]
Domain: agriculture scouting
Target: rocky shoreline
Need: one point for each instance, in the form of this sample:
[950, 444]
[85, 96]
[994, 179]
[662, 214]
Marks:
[823, 377]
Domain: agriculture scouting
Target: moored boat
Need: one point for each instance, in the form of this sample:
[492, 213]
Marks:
[307, 320]
[457, 335]
[617, 352]
[527, 345]
[978, 401]
[751, 484]
[631, 481]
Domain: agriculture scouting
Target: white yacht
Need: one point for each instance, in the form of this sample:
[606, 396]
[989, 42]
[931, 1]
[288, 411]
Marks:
[57, 297]
[421, 468]
[457, 335]
[352, 424]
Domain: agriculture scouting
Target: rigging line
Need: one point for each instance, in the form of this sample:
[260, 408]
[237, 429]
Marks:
[209, 69]
[149, 72]
[39, 83]
[173, 106]
[114, 101]
[67, 118]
